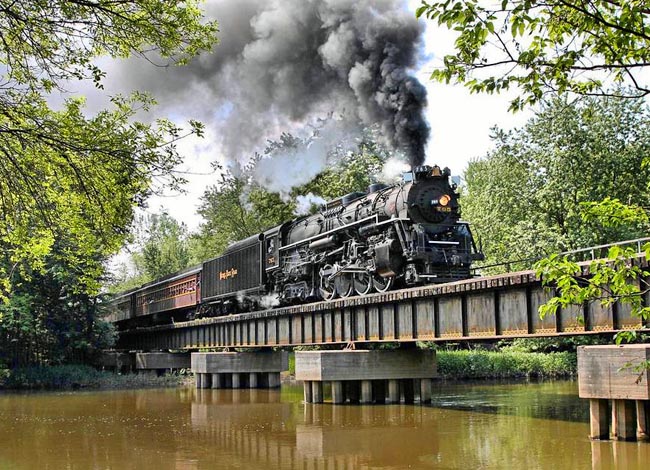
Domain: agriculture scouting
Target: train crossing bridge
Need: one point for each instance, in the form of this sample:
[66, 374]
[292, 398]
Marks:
[494, 307]
[483, 308]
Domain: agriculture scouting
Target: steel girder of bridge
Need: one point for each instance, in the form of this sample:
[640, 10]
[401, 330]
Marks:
[502, 306]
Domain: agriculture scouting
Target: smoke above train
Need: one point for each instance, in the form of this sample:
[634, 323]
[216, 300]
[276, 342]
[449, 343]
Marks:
[284, 65]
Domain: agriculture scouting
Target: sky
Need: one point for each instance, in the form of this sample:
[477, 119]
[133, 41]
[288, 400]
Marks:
[460, 122]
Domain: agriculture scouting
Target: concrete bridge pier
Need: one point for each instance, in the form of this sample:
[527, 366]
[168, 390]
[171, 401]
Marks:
[239, 370]
[615, 380]
[360, 376]
[118, 361]
[161, 362]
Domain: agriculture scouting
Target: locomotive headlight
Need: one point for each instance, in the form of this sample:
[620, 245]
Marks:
[444, 200]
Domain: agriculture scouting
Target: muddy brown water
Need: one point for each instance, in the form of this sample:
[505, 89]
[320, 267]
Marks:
[468, 426]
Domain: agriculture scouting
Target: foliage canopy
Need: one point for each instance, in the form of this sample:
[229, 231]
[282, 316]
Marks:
[160, 247]
[64, 175]
[557, 45]
[69, 181]
[541, 190]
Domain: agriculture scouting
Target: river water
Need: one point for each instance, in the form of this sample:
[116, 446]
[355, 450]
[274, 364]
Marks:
[468, 426]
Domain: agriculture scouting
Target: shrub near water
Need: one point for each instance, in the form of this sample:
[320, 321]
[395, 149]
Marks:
[52, 377]
[82, 376]
[479, 364]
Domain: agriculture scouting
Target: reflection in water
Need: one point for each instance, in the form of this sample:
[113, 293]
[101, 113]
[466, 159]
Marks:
[478, 425]
[613, 454]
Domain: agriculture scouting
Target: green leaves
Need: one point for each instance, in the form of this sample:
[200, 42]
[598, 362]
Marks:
[69, 182]
[66, 177]
[574, 176]
[45, 42]
[618, 278]
[612, 213]
[538, 47]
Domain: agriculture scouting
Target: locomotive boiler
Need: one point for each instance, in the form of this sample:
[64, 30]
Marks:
[388, 236]
[409, 234]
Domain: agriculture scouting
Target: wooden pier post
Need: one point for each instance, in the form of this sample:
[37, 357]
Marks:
[625, 420]
[642, 418]
[317, 391]
[307, 391]
[366, 392]
[217, 381]
[426, 386]
[598, 419]
[274, 379]
[236, 380]
[207, 380]
[393, 391]
[337, 392]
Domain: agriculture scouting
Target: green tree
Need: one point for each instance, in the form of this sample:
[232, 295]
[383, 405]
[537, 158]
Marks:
[165, 249]
[64, 175]
[233, 210]
[238, 207]
[587, 48]
[69, 182]
[540, 190]
[47, 320]
[354, 171]
[557, 45]
[161, 247]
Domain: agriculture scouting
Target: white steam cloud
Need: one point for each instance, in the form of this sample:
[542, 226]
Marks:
[282, 64]
[305, 203]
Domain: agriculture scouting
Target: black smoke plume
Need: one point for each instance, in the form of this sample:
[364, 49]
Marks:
[282, 64]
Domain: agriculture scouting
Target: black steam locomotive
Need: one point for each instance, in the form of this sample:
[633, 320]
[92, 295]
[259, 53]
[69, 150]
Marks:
[363, 242]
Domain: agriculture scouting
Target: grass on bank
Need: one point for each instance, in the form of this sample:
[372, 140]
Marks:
[71, 377]
[481, 364]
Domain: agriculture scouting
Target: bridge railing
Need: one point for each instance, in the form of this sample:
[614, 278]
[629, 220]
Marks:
[581, 254]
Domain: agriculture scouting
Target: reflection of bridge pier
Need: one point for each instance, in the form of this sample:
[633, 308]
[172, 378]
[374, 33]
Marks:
[263, 432]
[237, 422]
[354, 437]
[615, 380]
[367, 376]
[606, 455]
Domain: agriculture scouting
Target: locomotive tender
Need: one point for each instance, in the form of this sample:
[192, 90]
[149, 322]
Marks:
[406, 234]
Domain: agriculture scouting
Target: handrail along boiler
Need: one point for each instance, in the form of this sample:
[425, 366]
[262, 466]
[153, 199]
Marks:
[405, 234]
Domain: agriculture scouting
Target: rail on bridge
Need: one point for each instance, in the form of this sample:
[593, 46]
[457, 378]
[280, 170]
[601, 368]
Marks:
[494, 307]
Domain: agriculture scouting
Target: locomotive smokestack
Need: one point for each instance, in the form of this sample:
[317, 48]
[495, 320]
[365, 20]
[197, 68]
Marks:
[282, 64]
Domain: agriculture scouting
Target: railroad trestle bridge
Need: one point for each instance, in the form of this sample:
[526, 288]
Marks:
[485, 308]
[494, 307]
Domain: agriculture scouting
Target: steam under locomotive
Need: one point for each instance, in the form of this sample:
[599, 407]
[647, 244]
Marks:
[407, 234]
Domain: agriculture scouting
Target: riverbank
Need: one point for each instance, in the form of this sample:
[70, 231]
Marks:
[74, 377]
[452, 365]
